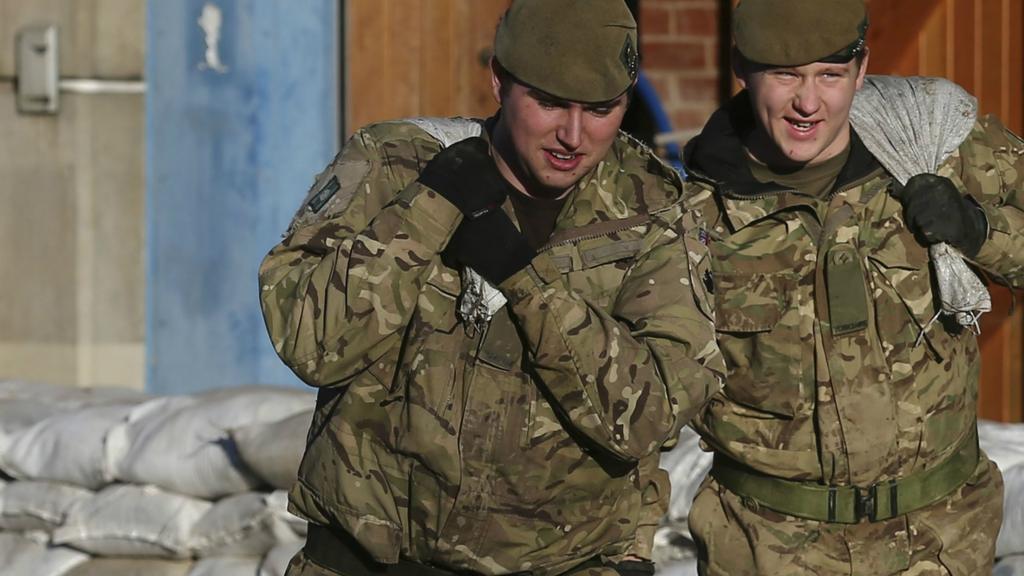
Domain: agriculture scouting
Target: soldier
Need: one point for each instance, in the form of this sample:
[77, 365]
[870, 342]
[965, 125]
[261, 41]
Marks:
[505, 318]
[845, 436]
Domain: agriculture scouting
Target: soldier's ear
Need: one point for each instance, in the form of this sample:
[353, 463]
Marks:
[739, 67]
[497, 76]
[862, 66]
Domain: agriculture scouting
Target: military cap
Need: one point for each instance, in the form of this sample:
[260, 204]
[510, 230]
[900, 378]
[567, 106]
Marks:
[579, 50]
[798, 32]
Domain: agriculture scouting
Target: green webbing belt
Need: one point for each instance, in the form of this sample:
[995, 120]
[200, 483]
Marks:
[851, 504]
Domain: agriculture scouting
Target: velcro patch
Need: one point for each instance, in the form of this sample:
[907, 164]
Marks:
[324, 194]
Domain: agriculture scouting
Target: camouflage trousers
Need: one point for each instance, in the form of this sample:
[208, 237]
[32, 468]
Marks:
[956, 536]
[303, 566]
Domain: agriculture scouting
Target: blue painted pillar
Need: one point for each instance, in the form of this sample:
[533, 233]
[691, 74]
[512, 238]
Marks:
[242, 111]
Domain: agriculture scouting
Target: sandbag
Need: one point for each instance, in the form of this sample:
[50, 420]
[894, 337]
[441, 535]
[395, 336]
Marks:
[26, 506]
[66, 447]
[1003, 443]
[226, 566]
[1009, 566]
[247, 524]
[1011, 533]
[278, 502]
[129, 520]
[275, 563]
[187, 450]
[672, 545]
[687, 465]
[131, 567]
[273, 450]
[23, 404]
[29, 555]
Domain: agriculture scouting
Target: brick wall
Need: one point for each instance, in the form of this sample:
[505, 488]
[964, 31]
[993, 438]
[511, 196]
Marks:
[680, 54]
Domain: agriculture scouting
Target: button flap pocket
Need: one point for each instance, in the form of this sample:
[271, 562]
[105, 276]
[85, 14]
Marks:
[610, 252]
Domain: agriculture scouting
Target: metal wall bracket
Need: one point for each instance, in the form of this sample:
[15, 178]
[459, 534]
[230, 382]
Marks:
[38, 67]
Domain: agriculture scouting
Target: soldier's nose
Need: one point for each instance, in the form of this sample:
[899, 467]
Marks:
[570, 132]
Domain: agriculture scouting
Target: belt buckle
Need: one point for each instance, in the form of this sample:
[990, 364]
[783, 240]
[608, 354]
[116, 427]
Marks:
[865, 503]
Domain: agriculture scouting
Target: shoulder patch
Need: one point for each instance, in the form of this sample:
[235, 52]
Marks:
[326, 192]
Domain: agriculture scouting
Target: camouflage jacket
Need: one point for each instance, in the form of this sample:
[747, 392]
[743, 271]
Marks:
[807, 401]
[529, 445]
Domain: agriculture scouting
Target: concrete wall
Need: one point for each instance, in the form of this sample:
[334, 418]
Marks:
[72, 204]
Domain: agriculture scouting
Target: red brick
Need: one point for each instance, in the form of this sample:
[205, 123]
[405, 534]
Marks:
[697, 89]
[702, 22]
[674, 55]
[655, 20]
[689, 119]
[663, 84]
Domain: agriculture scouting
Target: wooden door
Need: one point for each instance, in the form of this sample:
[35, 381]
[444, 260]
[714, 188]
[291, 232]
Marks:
[426, 58]
[978, 44]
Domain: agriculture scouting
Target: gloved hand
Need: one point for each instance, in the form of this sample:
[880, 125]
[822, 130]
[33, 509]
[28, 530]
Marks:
[466, 175]
[935, 212]
[491, 245]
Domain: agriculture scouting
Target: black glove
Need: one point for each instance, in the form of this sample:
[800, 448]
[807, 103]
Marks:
[466, 175]
[491, 245]
[936, 212]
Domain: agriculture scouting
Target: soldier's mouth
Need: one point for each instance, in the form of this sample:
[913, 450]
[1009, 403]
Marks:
[564, 161]
[803, 125]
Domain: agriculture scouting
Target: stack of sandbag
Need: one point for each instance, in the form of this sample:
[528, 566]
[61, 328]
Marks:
[115, 483]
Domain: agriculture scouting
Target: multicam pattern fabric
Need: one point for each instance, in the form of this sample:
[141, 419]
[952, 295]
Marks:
[532, 444]
[807, 401]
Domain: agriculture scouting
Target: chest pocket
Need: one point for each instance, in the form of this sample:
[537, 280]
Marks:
[595, 268]
[759, 336]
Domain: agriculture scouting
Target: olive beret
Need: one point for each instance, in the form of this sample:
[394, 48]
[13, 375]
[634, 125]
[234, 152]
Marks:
[579, 50]
[798, 32]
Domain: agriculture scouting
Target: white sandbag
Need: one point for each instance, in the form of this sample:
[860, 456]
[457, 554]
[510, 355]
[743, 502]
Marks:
[226, 566]
[66, 447]
[1009, 566]
[273, 450]
[672, 544]
[275, 563]
[27, 505]
[129, 520]
[131, 567]
[29, 555]
[1011, 534]
[187, 450]
[23, 404]
[247, 524]
[687, 465]
[1004, 443]
[278, 502]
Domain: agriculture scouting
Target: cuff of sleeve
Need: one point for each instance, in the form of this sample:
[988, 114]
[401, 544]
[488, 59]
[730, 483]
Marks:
[996, 223]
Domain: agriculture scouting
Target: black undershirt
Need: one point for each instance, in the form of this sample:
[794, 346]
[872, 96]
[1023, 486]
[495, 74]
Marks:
[536, 216]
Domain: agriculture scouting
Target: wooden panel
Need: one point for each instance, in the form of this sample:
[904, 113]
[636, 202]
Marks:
[979, 45]
[419, 58]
